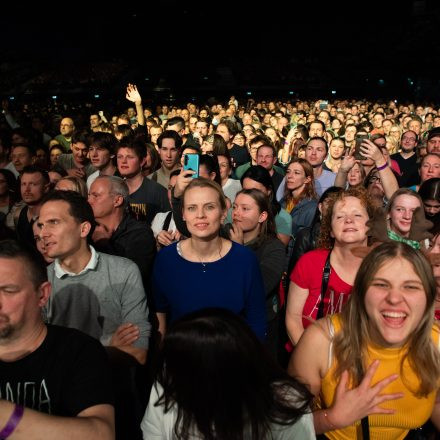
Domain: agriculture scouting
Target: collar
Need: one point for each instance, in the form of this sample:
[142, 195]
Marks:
[91, 265]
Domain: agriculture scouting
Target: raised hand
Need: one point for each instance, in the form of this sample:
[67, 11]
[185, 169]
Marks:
[132, 94]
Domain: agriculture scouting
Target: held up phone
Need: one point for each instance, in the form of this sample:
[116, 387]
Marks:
[323, 105]
[191, 162]
[357, 150]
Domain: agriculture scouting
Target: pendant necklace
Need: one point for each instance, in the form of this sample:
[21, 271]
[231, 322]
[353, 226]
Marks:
[205, 263]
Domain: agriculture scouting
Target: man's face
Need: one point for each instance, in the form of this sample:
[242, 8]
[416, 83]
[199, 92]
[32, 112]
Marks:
[100, 157]
[20, 300]
[266, 158]
[155, 132]
[315, 152]
[408, 142]
[377, 121]
[315, 130]
[415, 126]
[61, 233]
[432, 146]
[202, 128]
[66, 127]
[350, 133]
[131, 112]
[33, 188]
[80, 152]
[185, 114]
[101, 199]
[94, 121]
[169, 154]
[253, 148]
[21, 157]
[129, 164]
[192, 124]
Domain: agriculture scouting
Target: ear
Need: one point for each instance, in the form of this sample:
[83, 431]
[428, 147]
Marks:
[44, 292]
[85, 229]
[143, 161]
[119, 201]
[263, 217]
[308, 179]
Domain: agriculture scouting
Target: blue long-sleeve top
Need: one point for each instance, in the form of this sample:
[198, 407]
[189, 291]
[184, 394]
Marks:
[234, 282]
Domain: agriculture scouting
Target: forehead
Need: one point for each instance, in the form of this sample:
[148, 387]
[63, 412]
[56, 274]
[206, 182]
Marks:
[80, 146]
[264, 149]
[201, 195]
[316, 143]
[31, 177]
[20, 150]
[435, 139]
[431, 159]
[406, 200]
[168, 142]
[348, 202]
[100, 185]
[127, 151]
[55, 208]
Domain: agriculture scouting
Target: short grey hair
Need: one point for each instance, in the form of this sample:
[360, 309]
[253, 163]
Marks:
[118, 187]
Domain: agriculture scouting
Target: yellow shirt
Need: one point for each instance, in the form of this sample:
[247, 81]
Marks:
[411, 411]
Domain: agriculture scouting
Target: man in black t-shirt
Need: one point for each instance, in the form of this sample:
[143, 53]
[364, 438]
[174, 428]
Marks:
[407, 159]
[49, 370]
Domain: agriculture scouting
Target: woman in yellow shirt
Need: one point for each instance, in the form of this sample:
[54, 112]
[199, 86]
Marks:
[378, 361]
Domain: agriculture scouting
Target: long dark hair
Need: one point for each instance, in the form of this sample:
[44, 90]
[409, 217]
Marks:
[222, 382]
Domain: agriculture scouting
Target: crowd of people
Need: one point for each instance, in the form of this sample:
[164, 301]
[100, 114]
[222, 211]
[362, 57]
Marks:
[289, 287]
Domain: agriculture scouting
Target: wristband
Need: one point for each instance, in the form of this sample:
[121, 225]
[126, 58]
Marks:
[332, 427]
[382, 167]
[13, 421]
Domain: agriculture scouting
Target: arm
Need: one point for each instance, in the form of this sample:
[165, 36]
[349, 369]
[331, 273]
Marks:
[96, 422]
[134, 96]
[296, 299]
[387, 177]
[346, 165]
[162, 318]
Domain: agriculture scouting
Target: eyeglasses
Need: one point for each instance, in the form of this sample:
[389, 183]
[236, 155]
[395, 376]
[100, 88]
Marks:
[374, 179]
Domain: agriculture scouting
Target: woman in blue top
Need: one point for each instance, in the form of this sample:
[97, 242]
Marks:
[207, 270]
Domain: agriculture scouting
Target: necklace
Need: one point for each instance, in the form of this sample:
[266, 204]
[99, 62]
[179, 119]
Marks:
[205, 263]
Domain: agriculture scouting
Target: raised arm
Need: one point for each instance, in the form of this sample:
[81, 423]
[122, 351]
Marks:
[387, 177]
[134, 96]
[347, 164]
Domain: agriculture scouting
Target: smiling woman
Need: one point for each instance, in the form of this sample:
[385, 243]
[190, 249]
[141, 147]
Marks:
[378, 361]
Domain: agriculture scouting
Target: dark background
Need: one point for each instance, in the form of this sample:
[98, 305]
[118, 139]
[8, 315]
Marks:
[175, 51]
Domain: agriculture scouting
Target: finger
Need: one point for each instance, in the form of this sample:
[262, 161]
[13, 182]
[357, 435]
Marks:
[129, 333]
[342, 385]
[384, 383]
[366, 381]
[124, 326]
[385, 397]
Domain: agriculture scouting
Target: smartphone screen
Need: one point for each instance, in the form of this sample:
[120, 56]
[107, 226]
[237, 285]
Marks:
[191, 162]
[357, 151]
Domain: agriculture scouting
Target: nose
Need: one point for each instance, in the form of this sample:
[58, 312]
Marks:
[407, 214]
[394, 296]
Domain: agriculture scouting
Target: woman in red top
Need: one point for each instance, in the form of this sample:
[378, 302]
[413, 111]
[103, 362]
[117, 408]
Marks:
[343, 228]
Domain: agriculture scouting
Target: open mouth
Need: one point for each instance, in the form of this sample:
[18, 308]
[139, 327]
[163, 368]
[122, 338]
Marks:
[394, 319]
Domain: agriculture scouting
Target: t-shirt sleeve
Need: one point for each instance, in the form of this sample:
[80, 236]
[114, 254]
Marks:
[302, 271]
[283, 222]
[88, 382]
[154, 423]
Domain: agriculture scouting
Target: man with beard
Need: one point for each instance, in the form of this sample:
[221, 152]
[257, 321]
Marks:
[53, 380]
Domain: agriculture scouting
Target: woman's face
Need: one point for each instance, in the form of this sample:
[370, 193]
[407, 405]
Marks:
[401, 213]
[203, 172]
[430, 167]
[272, 134]
[225, 169]
[337, 149]
[246, 213]
[395, 303]
[202, 212]
[296, 179]
[375, 188]
[354, 176]
[349, 218]
[206, 147]
[239, 139]
[336, 124]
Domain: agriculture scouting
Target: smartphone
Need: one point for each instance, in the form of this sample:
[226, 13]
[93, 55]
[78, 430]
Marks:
[191, 162]
[357, 151]
[323, 105]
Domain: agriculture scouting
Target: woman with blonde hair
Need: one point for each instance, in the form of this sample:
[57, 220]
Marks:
[72, 183]
[376, 366]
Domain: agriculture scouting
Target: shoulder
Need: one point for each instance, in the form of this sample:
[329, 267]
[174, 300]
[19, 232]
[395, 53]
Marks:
[114, 261]
[167, 252]
[315, 256]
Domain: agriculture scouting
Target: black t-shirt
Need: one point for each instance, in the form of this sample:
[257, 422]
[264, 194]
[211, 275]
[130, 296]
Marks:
[65, 375]
[149, 199]
[277, 178]
[409, 170]
[239, 155]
